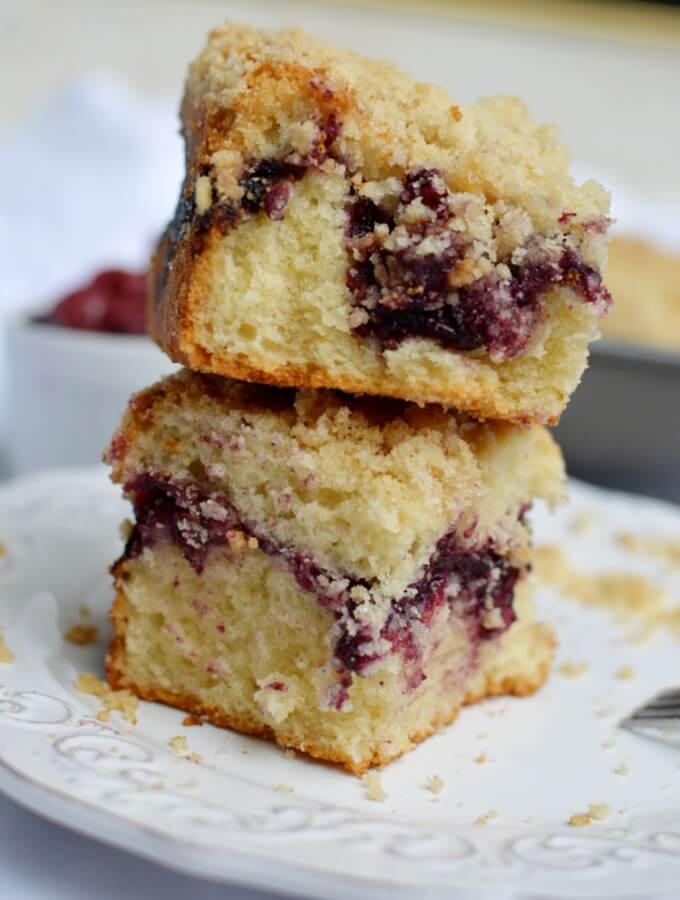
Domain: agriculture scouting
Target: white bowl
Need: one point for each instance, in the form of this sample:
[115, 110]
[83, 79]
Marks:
[68, 389]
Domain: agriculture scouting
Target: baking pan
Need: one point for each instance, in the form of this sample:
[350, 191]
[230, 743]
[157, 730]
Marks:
[622, 426]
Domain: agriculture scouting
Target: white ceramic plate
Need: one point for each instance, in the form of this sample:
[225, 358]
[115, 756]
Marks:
[224, 817]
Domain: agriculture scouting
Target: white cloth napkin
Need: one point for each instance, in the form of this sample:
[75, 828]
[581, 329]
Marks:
[87, 182]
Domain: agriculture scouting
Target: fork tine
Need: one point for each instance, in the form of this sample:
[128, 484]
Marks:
[671, 696]
[666, 704]
[658, 719]
[661, 705]
[646, 715]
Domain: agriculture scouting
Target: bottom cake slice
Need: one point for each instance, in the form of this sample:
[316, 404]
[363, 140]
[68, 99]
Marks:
[337, 574]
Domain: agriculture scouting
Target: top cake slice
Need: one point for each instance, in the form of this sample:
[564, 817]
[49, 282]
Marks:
[342, 225]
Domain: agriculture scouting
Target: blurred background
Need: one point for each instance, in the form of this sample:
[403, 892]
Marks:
[91, 160]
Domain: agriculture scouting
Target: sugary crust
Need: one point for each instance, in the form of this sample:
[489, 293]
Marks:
[518, 684]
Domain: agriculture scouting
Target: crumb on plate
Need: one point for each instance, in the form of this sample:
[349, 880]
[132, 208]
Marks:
[178, 745]
[596, 812]
[583, 523]
[665, 549]
[374, 786]
[625, 673]
[191, 720]
[573, 669]
[6, 655]
[121, 701]
[435, 784]
[82, 635]
[631, 599]
[486, 817]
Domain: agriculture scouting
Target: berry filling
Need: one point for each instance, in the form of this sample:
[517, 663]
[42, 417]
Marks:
[423, 261]
[114, 301]
[267, 184]
[477, 582]
[415, 272]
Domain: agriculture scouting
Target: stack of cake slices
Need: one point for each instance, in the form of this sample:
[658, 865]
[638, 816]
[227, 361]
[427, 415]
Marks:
[380, 300]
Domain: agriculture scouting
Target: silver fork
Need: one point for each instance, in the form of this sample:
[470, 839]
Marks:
[658, 718]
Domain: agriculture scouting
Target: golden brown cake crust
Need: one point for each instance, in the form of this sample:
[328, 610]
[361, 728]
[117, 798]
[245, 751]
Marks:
[519, 685]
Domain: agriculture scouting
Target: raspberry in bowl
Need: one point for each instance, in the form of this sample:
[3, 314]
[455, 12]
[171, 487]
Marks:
[114, 301]
[72, 367]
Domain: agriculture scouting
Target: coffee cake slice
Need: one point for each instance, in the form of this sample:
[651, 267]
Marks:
[344, 226]
[337, 574]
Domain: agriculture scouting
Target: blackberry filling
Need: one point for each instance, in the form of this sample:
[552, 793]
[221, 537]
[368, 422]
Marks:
[267, 184]
[478, 582]
[408, 275]
[413, 271]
